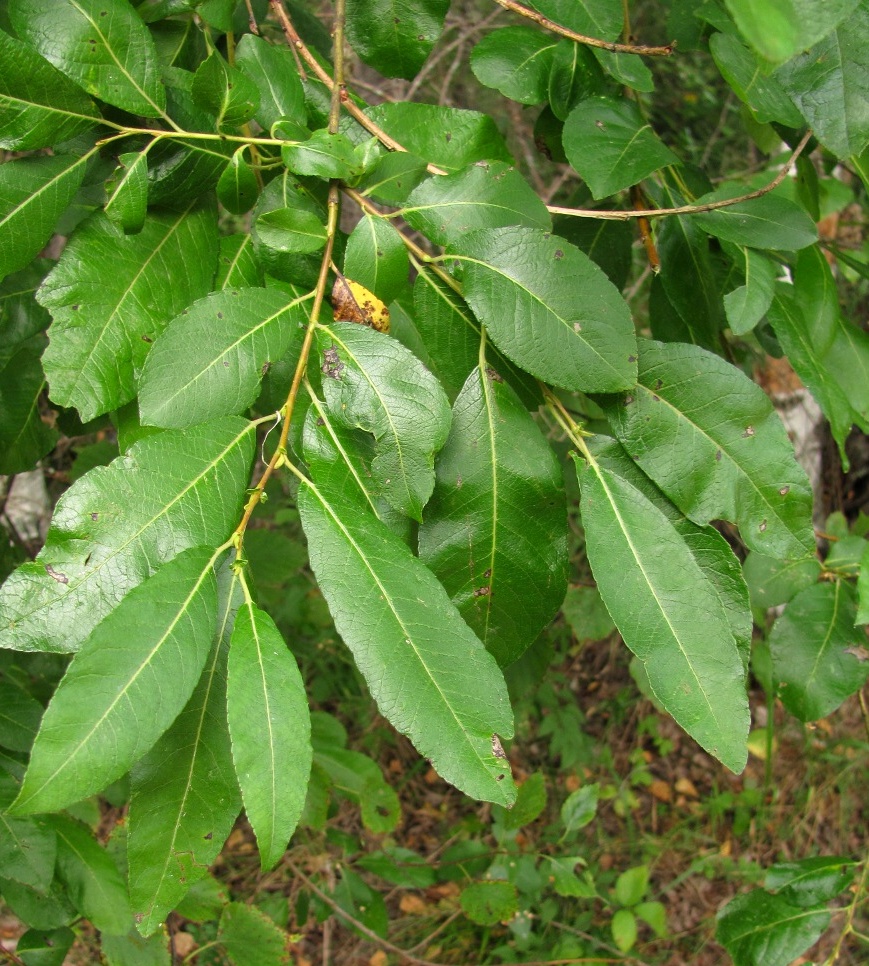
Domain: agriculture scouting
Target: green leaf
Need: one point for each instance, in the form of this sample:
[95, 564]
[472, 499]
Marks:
[764, 95]
[863, 590]
[358, 777]
[609, 244]
[580, 807]
[209, 362]
[29, 848]
[188, 488]
[495, 531]
[810, 882]
[611, 145]
[376, 257]
[184, 793]
[766, 222]
[24, 437]
[773, 582]
[125, 686]
[134, 950]
[549, 308]
[835, 371]
[446, 207]
[655, 915]
[19, 717]
[237, 189]
[778, 29]
[758, 929]
[250, 938]
[34, 193]
[720, 452]
[586, 613]
[688, 279]
[91, 877]
[530, 802]
[624, 929]
[515, 61]
[21, 317]
[401, 867]
[816, 650]
[109, 300]
[445, 136]
[395, 36]
[575, 75]
[40, 911]
[127, 193]
[101, 44]
[224, 92]
[39, 106]
[45, 947]
[360, 901]
[626, 69]
[273, 70]
[237, 266]
[747, 304]
[270, 728]
[429, 674]
[654, 588]
[828, 82]
[594, 18]
[631, 885]
[290, 230]
[323, 155]
[488, 903]
[371, 382]
[392, 178]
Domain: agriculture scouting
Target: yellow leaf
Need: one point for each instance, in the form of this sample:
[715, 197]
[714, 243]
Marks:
[352, 302]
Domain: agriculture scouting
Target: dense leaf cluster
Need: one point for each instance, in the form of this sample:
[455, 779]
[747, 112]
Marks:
[197, 167]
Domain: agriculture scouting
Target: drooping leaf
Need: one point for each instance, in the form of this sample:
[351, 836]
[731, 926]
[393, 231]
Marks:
[515, 61]
[429, 674]
[377, 258]
[290, 230]
[20, 714]
[495, 531]
[778, 29]
[759, 929]
[250, 938]
[184, 793]
[91, 877]
[39, 106]
[323, 155]
[29, 845]
[109, 300]
[654, 588]
[764, 95]
[237, 188]
[835, 370]
[188, 488]
[483, 196]
[766, 222]
[549, 308]
[273, 70]
[209, 362]
[828, 81]
[270, 728]
[358, 777]
[24, 436]
[125, 686]
[372, 382]
[611, 145]
[609, 244]
[127, 193]
[574, 76]
[44, 947]
[450, 138]
[34, 193]
[809, 882]
[101, 44]
[719, 452]
[42, 911]
[21, 316]
[747, 304]
[226, 93]
[815, 650]
[395, 36]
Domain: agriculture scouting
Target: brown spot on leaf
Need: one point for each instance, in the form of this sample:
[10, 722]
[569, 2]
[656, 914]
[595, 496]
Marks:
[332, 364]
[559, 253]
[659, 383]
[784, 491]
[498, 748]
[762, 526]
[352, 302]
[749, 431]
[482, 591]
[858, 651]
[56, 574]
[490, 372]
[95, 517]
[718, 456]
[577, 327]
[632, 358]
[488, 573]
[628, 400]
[147, 338]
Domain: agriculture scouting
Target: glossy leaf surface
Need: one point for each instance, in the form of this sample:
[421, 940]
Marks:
[109, 301]
[270, 728]
[429, 674]
[184, 793]
[719, 454]
[209, 361]
[125, 686]
[273, 70]
[495, 531]
[24, 436]
[653, 588]
[395, 36]
[371, 382]
[816, 652]
[377, 258]
[515, 61]
[101, 44]
[127, 191]
[226, 93]
[766, 222]
[549, 308]
[188, 486]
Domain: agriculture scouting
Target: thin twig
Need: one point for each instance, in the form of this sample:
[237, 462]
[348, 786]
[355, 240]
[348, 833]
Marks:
[538, 18]
[608, 215]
